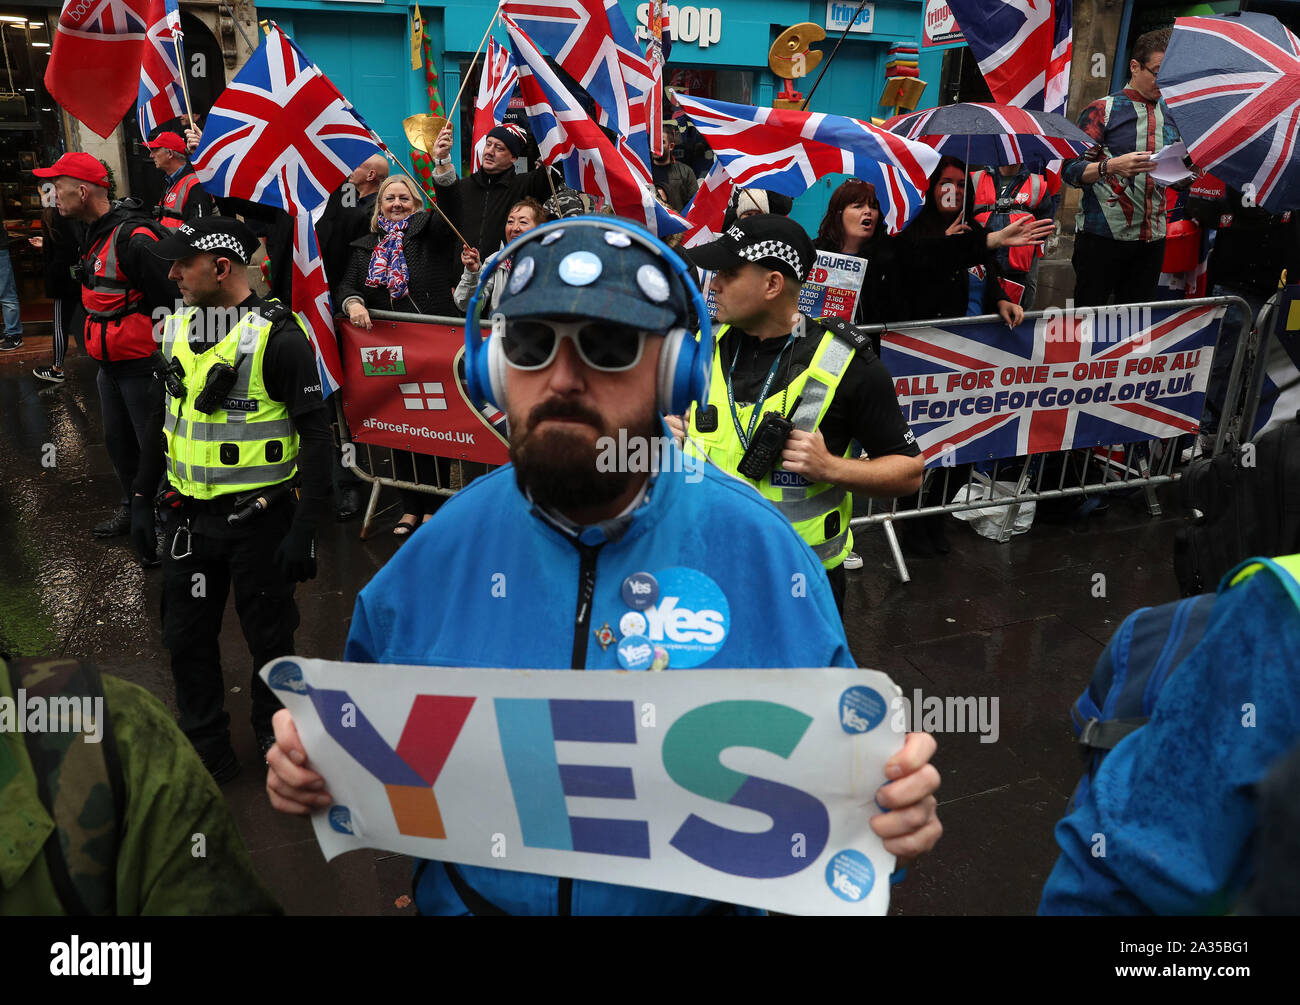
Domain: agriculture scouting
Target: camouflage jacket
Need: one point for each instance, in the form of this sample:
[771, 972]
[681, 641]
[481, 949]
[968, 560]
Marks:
[166, 844]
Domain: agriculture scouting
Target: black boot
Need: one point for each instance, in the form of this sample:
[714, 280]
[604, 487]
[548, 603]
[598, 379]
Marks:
[116, 525]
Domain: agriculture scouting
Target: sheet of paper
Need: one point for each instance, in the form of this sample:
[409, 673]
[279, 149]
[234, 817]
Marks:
[1170, 168]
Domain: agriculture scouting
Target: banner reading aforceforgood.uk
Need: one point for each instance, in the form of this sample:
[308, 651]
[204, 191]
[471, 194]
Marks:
[1086, 378]
[404, 388]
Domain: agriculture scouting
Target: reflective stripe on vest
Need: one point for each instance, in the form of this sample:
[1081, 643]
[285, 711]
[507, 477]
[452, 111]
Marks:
[232, 449]
[117, 326]
[171, 211]
[807, 507]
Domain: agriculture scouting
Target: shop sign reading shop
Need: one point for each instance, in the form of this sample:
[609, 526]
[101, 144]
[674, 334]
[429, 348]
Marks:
[701, 25]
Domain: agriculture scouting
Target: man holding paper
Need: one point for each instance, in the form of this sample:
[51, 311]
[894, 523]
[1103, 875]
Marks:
[561, 550]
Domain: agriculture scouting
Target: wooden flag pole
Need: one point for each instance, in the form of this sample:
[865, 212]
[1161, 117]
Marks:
[185, 90]
[473, 59]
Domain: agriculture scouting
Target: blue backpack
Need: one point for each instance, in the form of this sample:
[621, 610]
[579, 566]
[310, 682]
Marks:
[1126, 682]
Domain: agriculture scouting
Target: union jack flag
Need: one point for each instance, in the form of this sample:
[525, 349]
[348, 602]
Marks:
[592, 163]
[1023, 48]
[708, 207]
[495, 86]
[593, 43]
[95, 63]
[1230, 84]
[983, 392]
[161, 97]
[311, 302]
[281, 133]
[656, 22]
[787, 151]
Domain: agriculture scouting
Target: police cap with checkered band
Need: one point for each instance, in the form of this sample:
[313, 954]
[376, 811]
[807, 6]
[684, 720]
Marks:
[221, 235]
[765, 240]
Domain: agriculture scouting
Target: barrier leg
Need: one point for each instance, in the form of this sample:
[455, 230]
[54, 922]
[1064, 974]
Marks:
[1149, 490]
[371, 503]
[899, 562]
[1013, 510]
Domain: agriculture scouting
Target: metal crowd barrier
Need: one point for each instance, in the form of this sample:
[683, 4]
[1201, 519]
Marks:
[1143, 464]
[378, 458]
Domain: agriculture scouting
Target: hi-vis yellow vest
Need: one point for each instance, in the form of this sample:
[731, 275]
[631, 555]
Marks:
[819, 512]
[251, 442]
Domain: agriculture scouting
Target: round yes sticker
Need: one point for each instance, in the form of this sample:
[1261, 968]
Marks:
[850, 875]
[691, 618]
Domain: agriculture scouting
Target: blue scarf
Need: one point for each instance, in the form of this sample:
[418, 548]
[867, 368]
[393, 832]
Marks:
[388, 260]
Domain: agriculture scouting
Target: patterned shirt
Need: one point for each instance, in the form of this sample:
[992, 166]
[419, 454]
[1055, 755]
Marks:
[1123, 209]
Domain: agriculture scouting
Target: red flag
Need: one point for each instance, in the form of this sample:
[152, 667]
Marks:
[94, 69]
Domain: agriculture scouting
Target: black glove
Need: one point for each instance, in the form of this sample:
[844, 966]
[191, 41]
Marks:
[296, 556]
[143, 536]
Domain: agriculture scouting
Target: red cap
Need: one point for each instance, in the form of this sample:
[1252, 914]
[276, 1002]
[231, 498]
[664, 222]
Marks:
[167, 141]
[78, 165]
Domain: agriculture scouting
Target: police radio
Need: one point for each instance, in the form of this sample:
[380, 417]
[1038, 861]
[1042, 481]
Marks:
[767, 444]
[221, 378]
[171, 373]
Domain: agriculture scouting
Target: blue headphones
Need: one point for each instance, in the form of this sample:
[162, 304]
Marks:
[685, 362]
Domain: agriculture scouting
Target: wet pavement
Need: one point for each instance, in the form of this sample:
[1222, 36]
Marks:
[1021, 622]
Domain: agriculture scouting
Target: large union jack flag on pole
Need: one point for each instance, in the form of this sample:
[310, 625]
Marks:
[787, 151]
[281, 133]
[160, 97]
[1232, 85]
[565, 132]
[95, 63]
[592, 41]
[1023, 48]
[981, 391]
[496, 85]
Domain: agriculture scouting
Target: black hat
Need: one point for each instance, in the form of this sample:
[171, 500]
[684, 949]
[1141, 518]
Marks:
[589, 267]
[221, 235]
[775, 242]
[511, 135]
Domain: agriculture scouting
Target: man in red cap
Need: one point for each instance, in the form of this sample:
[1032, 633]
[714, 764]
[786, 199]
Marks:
[184, 198]
[122, 289]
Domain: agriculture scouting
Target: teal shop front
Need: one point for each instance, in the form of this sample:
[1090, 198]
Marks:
[721, 52]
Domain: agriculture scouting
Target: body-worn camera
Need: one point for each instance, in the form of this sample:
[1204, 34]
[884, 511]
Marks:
[768, 442]
[221, 378]
[171, 373]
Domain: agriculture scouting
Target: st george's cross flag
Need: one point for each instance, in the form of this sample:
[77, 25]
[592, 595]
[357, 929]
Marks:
[161, 97]
[980, 391]
[94, 67]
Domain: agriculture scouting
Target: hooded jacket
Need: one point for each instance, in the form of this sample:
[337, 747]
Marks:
[778, 612]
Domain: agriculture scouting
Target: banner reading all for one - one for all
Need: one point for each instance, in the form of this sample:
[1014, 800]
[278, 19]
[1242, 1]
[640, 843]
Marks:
[752, 787]
[1096, 377]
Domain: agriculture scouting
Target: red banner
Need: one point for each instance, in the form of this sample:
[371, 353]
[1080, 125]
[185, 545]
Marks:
[403, 387]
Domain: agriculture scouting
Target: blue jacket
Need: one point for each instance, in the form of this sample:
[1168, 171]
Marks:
[1174, 801]
[438, 602]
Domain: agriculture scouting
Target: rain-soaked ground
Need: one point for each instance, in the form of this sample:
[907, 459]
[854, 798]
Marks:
[1020, 622]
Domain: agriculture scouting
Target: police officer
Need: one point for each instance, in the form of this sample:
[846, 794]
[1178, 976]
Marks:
[184, 199]
[240, 414]
[821, 376]
[593, 341]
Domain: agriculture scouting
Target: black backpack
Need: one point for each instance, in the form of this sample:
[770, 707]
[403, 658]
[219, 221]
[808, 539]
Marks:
[1245, 503]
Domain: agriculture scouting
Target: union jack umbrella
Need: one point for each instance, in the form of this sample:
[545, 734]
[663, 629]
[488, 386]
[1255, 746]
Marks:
[1232, 85]
[496, 84]
[281, 133]
[593, 43]
[982, 133]
[1058, 383]
[787, 151]
[161, 97]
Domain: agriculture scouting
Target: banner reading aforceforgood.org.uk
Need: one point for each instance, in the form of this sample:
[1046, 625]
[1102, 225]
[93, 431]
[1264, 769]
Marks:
[404, 388]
